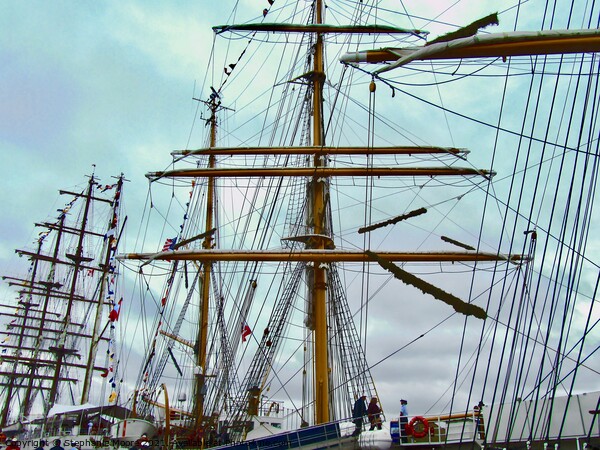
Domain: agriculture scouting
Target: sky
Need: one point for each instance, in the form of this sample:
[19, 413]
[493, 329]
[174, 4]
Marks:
[92, 84]
[108, 87]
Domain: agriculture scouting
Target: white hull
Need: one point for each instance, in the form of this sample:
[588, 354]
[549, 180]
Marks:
[126, 432]
[123, 434]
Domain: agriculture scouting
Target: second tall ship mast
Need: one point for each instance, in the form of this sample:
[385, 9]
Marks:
[62, 315]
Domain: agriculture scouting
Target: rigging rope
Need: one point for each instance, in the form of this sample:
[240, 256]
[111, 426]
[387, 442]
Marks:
[364, 312]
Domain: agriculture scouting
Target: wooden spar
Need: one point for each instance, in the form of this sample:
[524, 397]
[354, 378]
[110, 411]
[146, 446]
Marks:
[467, 415]
[37, 327]
[92, 198]
[12, 375]
[35, 318]
[319, 172]
[459, 305]
[318, 27]
[66, 229]
[499, 45]
[177, 339]
[54, 259]
[325, 256]
[323, 150]
[45, 363]
[192, 239]
[55, 294]
[15, 281]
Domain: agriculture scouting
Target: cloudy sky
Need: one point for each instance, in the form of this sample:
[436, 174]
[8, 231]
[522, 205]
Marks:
[109, 86]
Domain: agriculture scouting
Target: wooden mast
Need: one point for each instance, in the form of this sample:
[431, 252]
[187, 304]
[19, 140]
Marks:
[319, 218]
[26, 306]
[106, 269]
[49, 284]
[60, 350]
[202, 338]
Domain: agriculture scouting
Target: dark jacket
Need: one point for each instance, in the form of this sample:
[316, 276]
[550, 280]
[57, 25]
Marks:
[373, 410]
[360, 409]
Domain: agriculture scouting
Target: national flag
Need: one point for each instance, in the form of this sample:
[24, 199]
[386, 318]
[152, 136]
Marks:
[246, 331]
[107, 187]
[169, 244]
[113, 316]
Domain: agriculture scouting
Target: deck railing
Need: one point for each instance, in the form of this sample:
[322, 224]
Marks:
[447, 429]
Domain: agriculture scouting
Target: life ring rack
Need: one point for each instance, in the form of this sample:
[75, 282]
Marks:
[411, 427]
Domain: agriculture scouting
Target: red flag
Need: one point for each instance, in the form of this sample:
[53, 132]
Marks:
[246, 331]
[113, 316]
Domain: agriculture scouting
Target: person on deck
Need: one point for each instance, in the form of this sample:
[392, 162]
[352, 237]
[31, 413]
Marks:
[2, 437]
[57, 445]
[374, 414]
[41, 446]
[13, 445]
[358, 412]
[143, 442]
[403, 420]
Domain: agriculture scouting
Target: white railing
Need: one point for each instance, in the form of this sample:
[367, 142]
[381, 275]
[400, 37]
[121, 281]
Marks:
[446, 429]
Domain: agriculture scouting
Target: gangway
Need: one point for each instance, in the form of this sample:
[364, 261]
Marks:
[309, 438]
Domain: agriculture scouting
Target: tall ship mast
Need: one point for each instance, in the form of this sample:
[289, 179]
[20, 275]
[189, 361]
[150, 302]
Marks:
[59, 348]
[284, 241]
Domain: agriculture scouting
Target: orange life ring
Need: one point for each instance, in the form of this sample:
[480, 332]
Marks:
[411, 427]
